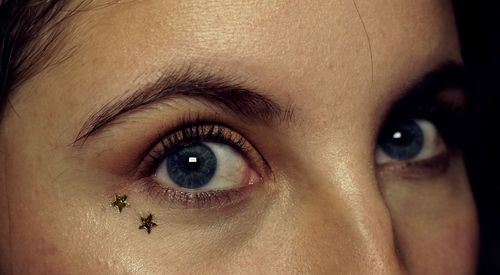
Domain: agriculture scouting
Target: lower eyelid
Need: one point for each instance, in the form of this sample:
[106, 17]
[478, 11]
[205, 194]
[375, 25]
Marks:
[200, 199]
[419, 169]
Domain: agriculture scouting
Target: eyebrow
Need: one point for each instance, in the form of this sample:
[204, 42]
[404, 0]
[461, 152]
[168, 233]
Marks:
[424, 91]
[231, 94]
[224, 92]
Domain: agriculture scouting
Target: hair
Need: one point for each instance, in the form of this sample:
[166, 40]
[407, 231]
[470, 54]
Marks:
[479, 30]
[29, 30]
[32, 30]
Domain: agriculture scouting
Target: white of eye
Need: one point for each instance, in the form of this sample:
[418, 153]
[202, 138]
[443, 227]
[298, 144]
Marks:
[432, 145]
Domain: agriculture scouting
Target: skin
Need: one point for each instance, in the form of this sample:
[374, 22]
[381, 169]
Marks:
[327, 208]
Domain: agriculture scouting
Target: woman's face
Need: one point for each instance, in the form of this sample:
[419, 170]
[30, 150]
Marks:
[262, 137]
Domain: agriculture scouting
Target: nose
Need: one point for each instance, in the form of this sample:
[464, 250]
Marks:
[336, 223]
[348, 231]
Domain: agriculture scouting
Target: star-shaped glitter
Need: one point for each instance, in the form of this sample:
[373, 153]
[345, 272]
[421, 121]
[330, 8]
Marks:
[120, 202]
[147, 223]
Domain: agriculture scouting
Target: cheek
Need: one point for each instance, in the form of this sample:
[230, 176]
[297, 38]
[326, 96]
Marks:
[449, 247]
[435, 222]
[458, 244]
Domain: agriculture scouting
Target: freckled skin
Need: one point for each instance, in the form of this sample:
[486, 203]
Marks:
[327, 210]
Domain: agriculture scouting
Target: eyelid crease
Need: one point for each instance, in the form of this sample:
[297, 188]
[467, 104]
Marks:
[223, 92]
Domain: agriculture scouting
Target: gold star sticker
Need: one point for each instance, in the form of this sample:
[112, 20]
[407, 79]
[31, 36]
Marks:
[147, 223]
[120, 202]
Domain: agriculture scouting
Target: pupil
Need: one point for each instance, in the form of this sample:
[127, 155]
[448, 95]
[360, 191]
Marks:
[402, 141]
[191, 166]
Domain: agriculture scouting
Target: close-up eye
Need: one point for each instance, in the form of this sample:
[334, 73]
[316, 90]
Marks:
[203, 165]
[408, 141]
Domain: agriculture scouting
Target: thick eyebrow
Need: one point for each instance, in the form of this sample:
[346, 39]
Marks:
[224, 92]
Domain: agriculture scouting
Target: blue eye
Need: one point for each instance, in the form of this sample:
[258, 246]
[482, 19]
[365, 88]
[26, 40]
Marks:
[402, 141]
[205, 166]
[409, 140]
[191, 166]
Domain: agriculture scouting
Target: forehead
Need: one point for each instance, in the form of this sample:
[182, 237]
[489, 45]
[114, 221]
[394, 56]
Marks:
[331, 51]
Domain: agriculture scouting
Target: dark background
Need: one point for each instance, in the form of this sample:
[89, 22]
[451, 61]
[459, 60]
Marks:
[479, 29]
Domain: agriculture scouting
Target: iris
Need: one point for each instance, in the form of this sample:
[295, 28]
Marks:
[402, 140]
[191, 166]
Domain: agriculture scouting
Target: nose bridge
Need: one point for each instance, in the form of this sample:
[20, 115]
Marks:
[347, 219]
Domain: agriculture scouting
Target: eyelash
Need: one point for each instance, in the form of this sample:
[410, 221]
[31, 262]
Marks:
[192, 131]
